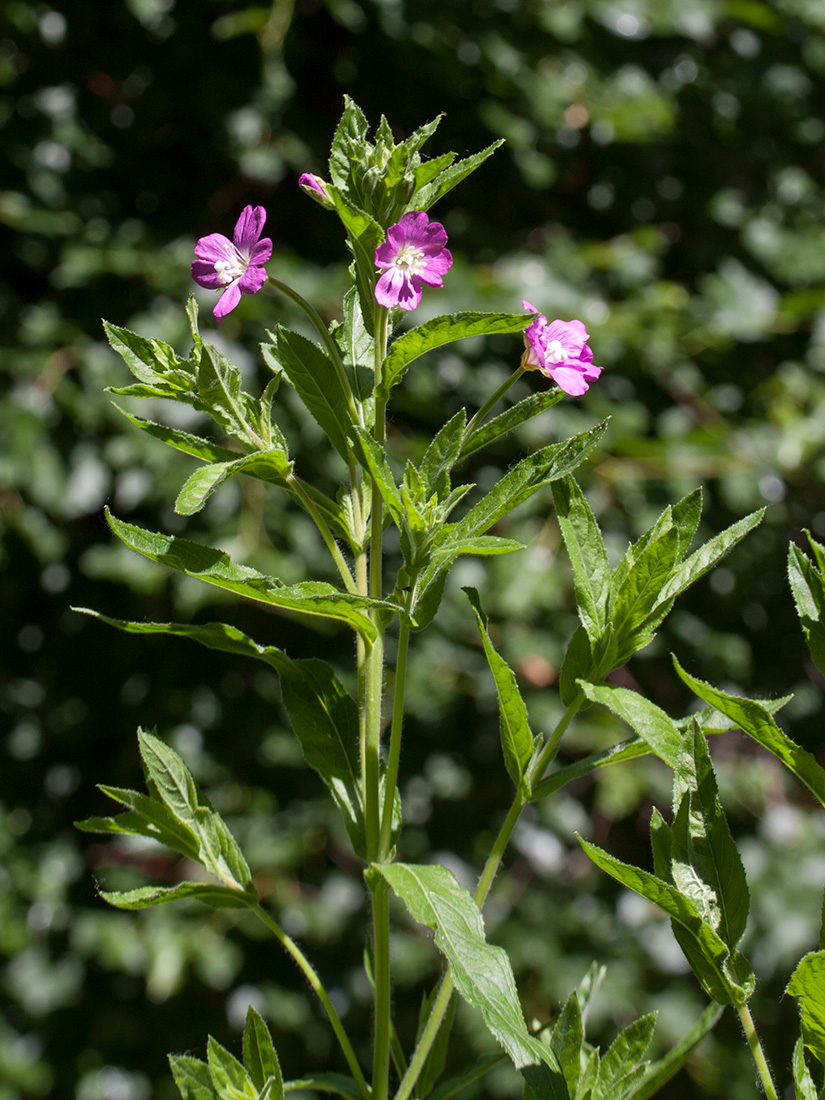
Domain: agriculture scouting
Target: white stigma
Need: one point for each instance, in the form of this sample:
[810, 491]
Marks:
[411, 258]
[554, 352]
[229, 270]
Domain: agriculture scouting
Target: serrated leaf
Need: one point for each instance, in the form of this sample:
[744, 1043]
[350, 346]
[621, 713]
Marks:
[726, 987]
[516, 735]
[659, 1073]
[808, 983]
[640, 591]
[335, 1083]
[482, 973]
[374, 458]
[510, 419]
[652, 724]
[708, 555]
[484, 545]
[195, 445]
[350, 133]
[754, 720]
[364, 234]
[621, 1062]
[808, 588]
[229, 1078]
[148, 817]
[260, 1060]
[444, 330]
[578, 664]
[588, 557]
[271, 465]
[192, 1077]
[215, 568]
[441, 455]
[428, 195]
[222, 897]
[220, 394]
[804, 1087]
[318, 384]
[566, 1042]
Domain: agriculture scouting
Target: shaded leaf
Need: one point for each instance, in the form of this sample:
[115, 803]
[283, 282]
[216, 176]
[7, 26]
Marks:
[588, 557]
[192, 1077]
[146, 896]
[260, 1059]
[808, 983]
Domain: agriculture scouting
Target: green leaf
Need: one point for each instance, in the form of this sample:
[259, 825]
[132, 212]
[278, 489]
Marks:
[808, 587]
[588, 557]
[444, 330]
[754, 720]
[428, 195]
[173, 781]
[566, 1042]
[482, 973]
[260, 1059]
[230, 1079]
[219, 392]
[485, 545]
[318, 384]
[325, 720]
[726, 986]
[579, 664]
[374, 459]
[524, 479]
[621, 1064]
[214, 567]
[441, 455]
[640, 591]
[804, 1087]
[708, 555]
[437, 1057]
[510, 419]
[364, 234]
[808, 983]
[659, 1073]
[192, 1077]
[335, 1083]
[271, 465]
[516, 736]
[143, 897]
[203, 449]
[656, 728]
[348, 140]
[144, 357]
[148, 817]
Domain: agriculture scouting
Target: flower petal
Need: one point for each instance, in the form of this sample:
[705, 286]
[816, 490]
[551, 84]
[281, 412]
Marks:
[215, 247]
[396, 288]
[252, 280]
[227, 301]
[261, 252]
[205, 275]
[570, 380]
[385, 254]
[249, 228]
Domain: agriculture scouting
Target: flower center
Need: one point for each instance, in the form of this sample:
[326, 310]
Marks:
[554, 352]
[410, 257]
[229, 270]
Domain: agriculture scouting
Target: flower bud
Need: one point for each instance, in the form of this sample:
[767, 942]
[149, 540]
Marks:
[316, 188]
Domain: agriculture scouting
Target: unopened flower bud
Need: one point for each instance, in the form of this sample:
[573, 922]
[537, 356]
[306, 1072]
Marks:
[316, 189]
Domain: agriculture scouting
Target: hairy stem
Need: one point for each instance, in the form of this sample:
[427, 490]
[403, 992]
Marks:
[488, 404]
[315, 982]
[395, 740]
[756, 1051]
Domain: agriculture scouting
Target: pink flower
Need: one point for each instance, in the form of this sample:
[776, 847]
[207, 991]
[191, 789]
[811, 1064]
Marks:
[559, 349]
[316, 188]
[412, 254]
[234, 267]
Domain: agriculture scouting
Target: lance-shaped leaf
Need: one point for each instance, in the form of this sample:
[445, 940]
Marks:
[516, 736]
[192, 1077]
[708, 555]
[588, 557]
[482, 973]
[147, 817]
[220, 394]
[652, 724]
[374, 459]
[804, 1087]
[145, 896]
[364, 234]
[173, 782]
[622, 1065]
[444, 330]
[336, 1083]
[441, 455]
[426, 196]
[214, 567]
[640, 591]
[659, 1073]
[195, 445]
[510, 419]
[229, 1078]
[726, 976]
[808, 983]
[260, 1060]
[566, 1042]
[754, 720]
[808, 587]
[272, 465]
[318, 384]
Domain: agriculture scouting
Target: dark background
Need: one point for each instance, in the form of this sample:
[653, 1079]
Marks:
[662, 180]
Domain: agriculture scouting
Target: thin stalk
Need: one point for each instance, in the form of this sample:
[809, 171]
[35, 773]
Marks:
[482, 890]
[394, 756]
[757, 1052]
[315, 982]
[306, 500]
[322, 330]
[381, 949]
[488, 404]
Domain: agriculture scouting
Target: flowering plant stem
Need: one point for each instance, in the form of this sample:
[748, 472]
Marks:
[756, 1050]
[491, 401]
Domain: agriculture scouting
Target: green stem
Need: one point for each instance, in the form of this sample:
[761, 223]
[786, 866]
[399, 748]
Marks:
[306, 500]
[381, 974]
[322, 330]
[482, 890]
[756, 1051]
[488, 404]
[315, 982]
[394, 756]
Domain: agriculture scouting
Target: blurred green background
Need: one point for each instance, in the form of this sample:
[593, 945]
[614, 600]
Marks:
[662, 180]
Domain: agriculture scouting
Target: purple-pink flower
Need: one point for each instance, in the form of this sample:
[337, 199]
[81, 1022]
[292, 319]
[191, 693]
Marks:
[412, 254]
[560, 350]
[237, 266]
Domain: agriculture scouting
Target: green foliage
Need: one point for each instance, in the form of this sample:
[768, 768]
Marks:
[807, 984]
